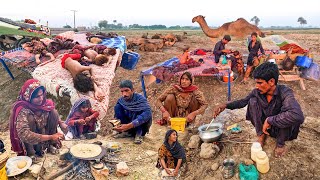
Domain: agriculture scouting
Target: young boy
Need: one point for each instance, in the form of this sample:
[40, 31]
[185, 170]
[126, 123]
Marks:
[81, 75]
[185, 57]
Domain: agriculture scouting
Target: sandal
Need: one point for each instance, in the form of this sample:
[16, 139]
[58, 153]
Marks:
[53, 150]
[138, 139]
[122, 135]
[161, 122]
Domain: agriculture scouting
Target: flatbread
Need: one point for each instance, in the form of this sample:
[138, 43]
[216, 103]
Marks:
[85, 150]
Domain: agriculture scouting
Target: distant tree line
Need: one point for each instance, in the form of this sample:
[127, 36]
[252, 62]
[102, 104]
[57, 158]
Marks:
[104, 24]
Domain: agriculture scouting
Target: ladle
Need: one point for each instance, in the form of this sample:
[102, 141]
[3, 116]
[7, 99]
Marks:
[210, 124]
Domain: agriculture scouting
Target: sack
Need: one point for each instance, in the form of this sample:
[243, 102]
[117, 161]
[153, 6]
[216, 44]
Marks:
[311, 73]
[287, 64]
[248, 172]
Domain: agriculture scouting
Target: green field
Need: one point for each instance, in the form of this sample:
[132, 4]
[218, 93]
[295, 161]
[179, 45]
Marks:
[10, 31]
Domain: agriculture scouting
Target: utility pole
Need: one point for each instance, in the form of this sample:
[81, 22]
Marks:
[74, 18]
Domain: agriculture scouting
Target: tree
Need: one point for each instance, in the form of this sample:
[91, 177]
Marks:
[114, 21]
[256, 20]
[302, 21]
[103, 24]
[67, 26]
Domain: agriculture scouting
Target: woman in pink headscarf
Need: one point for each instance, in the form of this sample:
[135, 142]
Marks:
[34, 121]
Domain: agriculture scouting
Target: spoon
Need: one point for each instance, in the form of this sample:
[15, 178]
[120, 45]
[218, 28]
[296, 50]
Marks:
[209, 124]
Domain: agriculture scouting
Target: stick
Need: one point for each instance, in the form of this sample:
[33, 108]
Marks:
[59, 173]
[45, 157]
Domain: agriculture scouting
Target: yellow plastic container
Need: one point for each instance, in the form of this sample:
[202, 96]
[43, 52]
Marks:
[262, 161]
[178, 124]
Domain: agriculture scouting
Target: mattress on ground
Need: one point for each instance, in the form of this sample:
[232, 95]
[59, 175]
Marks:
[53, 77]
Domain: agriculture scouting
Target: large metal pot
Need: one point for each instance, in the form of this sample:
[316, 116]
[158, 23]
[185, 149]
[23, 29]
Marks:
[213, 133]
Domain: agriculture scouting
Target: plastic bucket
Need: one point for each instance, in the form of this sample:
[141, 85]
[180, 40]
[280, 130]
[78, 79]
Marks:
[178, 124]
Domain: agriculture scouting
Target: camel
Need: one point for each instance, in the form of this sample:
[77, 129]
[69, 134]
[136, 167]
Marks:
[151, 47]
[145, 36]
[169, 37]
[156, 36]
[239, 28]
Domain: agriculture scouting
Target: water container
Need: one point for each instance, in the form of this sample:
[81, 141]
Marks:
[303, 61]
[255, 148]
[129, 60]
[262, 161]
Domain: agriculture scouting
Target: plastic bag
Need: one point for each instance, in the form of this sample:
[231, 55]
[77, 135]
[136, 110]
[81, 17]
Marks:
[311, 73]
[248, 172]
[224, 59]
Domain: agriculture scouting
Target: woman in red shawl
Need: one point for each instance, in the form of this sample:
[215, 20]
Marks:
[34, 121]
[182, 100]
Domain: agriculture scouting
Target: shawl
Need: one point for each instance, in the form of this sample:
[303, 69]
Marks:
[176, 150]
[24, 101]
[75, 108]
[136, 103]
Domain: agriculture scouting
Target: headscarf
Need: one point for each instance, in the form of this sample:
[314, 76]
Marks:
[136, 103]
[76, 107]
[176, 150]
[188, 89]
[24, 101]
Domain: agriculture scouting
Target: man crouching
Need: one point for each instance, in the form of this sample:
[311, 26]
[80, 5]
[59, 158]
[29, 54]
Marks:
[272, 108]
[134, 112]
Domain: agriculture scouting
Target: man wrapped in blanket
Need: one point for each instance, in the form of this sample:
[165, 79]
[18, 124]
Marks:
[134, 112]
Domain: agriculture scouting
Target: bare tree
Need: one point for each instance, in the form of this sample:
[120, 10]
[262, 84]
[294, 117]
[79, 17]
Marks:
[302, 21]
[256, 20]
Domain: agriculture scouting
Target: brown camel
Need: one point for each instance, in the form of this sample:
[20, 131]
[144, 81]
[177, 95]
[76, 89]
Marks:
[239, 28]
[156, 36]
[145, 36]
[151, 47]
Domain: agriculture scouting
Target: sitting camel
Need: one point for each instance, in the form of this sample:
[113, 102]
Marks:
[151, 47]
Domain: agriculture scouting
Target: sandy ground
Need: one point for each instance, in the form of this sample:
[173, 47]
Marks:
[300, 163]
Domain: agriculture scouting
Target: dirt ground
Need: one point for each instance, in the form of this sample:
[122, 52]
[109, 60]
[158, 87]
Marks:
[303, 157]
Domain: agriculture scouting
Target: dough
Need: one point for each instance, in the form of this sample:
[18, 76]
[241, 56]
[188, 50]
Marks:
[21, 164]
[85, 150]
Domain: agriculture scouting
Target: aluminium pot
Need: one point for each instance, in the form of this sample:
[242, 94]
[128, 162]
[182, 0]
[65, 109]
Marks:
[213, 133]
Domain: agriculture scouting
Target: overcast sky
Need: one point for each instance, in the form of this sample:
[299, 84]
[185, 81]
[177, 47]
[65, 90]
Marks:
[167, 12]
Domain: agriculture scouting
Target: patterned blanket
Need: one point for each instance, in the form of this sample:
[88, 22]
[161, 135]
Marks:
[58, 81]
[196, 71]
[118, 42]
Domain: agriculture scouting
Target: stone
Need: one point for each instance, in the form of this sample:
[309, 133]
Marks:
[194, 142]
[35, 170]
[215, 166]
[208, 150]
[122, 169]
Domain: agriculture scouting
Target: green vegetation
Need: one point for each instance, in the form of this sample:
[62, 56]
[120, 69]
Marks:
[10, 31]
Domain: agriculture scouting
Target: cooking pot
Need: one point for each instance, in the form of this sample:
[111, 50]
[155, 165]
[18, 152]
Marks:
[213, 133]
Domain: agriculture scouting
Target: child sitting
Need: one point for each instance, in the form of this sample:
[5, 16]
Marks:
[185, 57]
[237, 65]
[81, 119]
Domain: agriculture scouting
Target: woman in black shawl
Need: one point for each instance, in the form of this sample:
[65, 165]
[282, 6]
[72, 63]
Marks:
[171, 153]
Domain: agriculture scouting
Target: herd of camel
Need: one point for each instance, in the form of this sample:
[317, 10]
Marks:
[239, 29]
[153, 44]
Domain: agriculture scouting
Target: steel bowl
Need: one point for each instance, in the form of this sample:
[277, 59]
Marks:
[213, 133]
